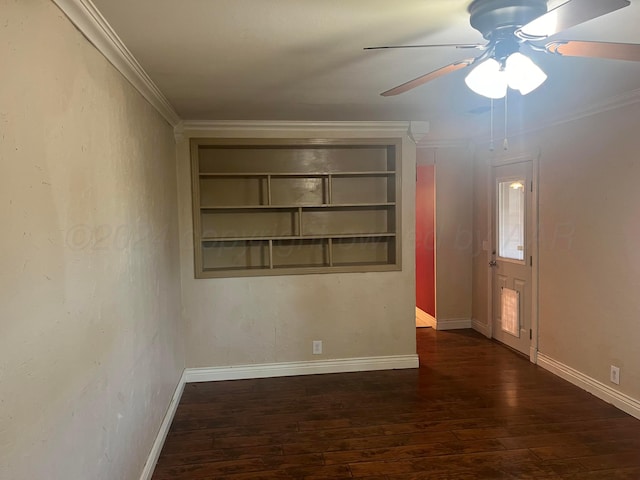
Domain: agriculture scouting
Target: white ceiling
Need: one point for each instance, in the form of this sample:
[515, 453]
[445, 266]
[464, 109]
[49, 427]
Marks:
[304, 60]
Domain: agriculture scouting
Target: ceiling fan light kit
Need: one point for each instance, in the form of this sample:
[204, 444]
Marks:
[522, 74]
[488, 79]
[491, 78]
[513, 26]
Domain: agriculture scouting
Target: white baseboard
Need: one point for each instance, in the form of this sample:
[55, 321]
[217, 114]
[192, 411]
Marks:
[533, 353]
[152, 459]
[213, 374]
[604, 392]
[480, 327]
[452, 323]
[424, 319]
[265, 370]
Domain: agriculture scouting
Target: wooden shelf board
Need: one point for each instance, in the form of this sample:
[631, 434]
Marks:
[298, 237]
[364, 173]
[235, 269]
[361, 264]
[302, 265]
[368, 173]
[292, 207]
[246, 239]
[266, 271]
[353, 235]
[350, 205]
[231, 175]
[255, 207]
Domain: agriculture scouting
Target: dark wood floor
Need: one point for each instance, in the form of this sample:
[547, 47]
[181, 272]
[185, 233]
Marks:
[473, 410]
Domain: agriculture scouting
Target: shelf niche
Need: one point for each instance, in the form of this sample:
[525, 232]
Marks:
[283, 206]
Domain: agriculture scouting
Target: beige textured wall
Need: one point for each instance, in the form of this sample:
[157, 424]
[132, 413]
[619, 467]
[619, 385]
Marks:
[589, 256]
[89, 286]
[481, 233]
[589, 275]
[454, 234]
[239, 321]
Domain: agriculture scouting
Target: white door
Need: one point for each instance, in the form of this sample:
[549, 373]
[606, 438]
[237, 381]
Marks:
[512, 258]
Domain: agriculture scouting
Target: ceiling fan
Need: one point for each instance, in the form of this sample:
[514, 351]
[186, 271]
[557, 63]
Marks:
[516, 30]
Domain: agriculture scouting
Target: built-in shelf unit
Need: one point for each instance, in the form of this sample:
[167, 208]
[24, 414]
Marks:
[285, 206]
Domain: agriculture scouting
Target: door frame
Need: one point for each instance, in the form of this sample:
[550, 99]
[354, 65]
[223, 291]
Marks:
[500, 159]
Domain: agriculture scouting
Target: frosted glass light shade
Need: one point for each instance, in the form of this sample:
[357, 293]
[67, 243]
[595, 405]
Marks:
[488, 79]
[491, 80]
[523, 74]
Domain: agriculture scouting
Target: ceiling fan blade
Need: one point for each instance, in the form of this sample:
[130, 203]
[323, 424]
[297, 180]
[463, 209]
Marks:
[568, 15]
[575, 48]
[416, 82]
[456, 45]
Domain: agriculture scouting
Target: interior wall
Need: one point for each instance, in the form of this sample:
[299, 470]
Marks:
[90, 349]
[454, 231]
[257, 320]
[481, 233]
[425, 239]
[589, 274]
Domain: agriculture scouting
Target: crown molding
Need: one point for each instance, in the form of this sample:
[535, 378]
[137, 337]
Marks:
[453, 143]
[418, 130]
[612, 103]
[398, 128]
[86, 17]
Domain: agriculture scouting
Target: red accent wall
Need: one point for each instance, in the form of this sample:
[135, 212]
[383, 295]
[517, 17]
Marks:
[425, 235]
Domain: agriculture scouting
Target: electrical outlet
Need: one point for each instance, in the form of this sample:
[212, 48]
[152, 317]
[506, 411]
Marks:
[317, 347]
[615, 375]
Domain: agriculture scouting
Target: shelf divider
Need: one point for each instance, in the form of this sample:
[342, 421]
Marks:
[300, 222]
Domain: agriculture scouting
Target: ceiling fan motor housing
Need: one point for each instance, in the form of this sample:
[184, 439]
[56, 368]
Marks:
[502, 17]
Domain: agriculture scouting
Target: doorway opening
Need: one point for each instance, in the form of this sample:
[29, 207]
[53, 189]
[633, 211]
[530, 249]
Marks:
[425, 245]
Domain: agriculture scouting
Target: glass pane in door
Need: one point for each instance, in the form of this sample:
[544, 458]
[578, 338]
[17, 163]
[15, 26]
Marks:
[511, 219]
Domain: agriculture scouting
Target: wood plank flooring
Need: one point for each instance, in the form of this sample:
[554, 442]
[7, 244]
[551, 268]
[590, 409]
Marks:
[473, 410]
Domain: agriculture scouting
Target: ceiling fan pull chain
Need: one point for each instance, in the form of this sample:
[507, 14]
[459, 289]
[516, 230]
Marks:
[505, 143]
[491, 146]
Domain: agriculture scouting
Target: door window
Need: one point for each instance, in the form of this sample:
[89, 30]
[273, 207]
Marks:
[511, 218]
